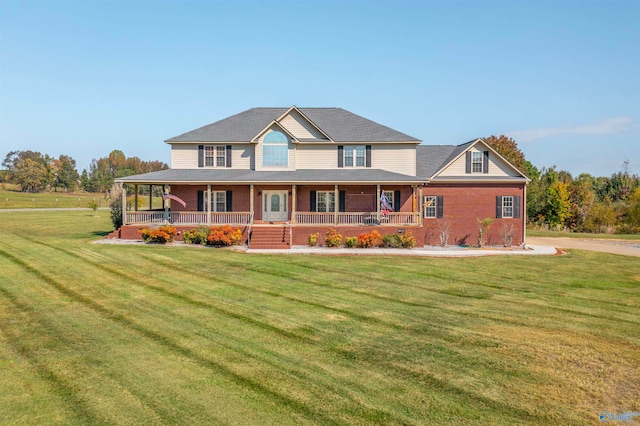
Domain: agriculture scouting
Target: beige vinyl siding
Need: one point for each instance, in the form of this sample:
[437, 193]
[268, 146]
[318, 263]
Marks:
[497, 167]
[185, 156]
[299, 127]
[397, 158]
[317, 156]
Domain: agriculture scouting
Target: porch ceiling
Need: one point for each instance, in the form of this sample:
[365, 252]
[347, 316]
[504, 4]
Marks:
[306, 176]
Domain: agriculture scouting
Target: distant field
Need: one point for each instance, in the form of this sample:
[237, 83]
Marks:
[14, 199]
[135, 334]
[535, 233]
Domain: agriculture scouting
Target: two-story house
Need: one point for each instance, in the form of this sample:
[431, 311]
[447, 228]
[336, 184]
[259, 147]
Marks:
[282, 174]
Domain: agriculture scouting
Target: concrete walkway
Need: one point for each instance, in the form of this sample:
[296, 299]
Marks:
[416, 252]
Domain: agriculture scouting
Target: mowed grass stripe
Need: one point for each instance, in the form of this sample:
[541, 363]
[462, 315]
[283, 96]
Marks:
[509, 351]
[161, 338]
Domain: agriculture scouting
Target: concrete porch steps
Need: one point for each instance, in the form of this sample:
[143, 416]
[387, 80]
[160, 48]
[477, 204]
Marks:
[270, 237]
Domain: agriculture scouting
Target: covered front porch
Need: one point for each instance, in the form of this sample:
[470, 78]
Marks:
[294, 205]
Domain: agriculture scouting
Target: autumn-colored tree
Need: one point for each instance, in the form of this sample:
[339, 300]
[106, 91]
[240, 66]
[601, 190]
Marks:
[582, 198]
[508, 148]
[557, 206]
[103, 171]
[632, 213]
[31, 175]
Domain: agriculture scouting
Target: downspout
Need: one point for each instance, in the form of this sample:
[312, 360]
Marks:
[124, 203]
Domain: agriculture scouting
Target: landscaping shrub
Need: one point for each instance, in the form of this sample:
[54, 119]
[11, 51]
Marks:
[350, 242]
[372, 239]
[332, 238]
[224, 236]
[196, 236]
[399, 240]
[162, 235]
[313, 240]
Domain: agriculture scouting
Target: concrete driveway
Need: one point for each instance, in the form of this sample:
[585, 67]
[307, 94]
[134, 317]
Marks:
[624, 247]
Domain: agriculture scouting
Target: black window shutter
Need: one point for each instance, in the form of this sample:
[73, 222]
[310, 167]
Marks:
[485, 162]
[340, 156]
[229, 199]
[200, 201]
[396, 201]
[342, 201]
[498, 207]
[468, 163]
[516, 207]
[200, 155]
[367, 151]
[228, 155]
[439, 206]
[312, 198]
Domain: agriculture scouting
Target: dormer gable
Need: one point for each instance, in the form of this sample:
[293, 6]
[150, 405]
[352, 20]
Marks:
[476, 160]
[299, 125]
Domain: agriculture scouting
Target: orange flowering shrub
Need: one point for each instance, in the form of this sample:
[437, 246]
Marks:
[332, 238]
[372, 239]
[224, 236]
[162, 235]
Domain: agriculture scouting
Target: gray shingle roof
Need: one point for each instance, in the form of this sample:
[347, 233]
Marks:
[251, 176]
[339, 124]
[431, 158]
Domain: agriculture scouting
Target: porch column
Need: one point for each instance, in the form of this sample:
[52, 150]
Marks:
[151, 197]
[124, 203]
[164, 191]
[136, 197]
[207, 208]
[293, 204]
[420, 221]
[378, 203]
[336, 204]
[251, 202]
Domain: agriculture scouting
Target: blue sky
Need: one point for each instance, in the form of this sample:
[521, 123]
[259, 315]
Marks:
[562, 77]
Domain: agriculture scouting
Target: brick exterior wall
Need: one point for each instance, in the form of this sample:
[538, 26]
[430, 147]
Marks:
[464, 205]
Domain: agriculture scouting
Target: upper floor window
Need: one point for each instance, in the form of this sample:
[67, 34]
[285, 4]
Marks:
[275, 150]
[476, 162]
[354, 156]
[215, 156]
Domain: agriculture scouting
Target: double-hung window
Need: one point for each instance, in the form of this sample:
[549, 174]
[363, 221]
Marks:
[325, 201]
[354, 156]
[507, 206]
[476, 162]
[430, 206]
[215, 156]
[218, 201]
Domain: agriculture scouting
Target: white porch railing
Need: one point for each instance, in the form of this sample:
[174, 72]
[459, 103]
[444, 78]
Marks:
[357, 218]
[188, 218]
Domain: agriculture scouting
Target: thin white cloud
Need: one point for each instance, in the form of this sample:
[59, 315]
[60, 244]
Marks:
[609, 126]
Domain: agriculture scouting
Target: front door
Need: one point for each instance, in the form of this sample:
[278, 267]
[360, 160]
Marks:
[274, 206]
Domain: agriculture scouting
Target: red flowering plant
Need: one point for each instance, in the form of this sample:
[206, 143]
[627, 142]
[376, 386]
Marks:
[372, 239]
[162, 235]
[222, 236]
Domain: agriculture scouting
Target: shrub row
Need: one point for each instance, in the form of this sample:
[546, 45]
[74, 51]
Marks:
[365, 240]
[220, 236]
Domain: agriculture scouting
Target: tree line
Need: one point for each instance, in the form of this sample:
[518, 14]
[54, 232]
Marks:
[558, 201]
[37, 172]
[555, 199]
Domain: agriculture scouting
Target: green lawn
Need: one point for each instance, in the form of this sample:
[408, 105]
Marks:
[12, 198]
[115, 334]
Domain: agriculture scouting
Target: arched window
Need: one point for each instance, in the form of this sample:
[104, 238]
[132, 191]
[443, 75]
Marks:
[275, 150]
